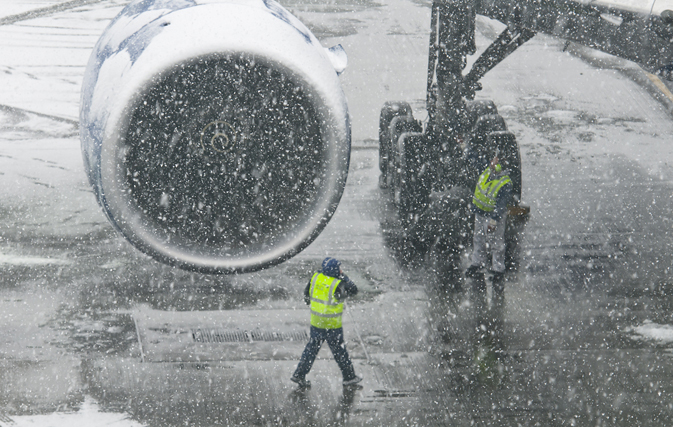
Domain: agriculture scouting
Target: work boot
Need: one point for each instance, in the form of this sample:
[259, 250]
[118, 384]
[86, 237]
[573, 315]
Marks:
[302, 382]
[356, 379]
[472, 271]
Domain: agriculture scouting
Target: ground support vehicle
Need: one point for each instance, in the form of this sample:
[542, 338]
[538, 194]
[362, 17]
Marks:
[429, 170]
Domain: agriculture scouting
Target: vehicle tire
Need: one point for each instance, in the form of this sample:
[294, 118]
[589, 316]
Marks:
[508, 147]
[510, 153]
[478, 108]
[480, 150]
[451, 221]
[513, 235]
[390, 110]
[410, 187]
[398, 126]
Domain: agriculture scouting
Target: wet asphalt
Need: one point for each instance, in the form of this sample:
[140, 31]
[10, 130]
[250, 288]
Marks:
[85, 317]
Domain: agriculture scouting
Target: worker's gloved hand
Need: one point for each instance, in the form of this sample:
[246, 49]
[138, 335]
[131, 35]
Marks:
[491, 225]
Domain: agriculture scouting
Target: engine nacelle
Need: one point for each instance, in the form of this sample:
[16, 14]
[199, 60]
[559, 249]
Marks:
[216, 136]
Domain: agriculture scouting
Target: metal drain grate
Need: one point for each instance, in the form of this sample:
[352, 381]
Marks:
[222, 335]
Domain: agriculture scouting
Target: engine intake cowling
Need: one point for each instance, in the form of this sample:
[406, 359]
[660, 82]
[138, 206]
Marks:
[216, 136]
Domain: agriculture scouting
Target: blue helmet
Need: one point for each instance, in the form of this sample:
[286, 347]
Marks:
[331, 267]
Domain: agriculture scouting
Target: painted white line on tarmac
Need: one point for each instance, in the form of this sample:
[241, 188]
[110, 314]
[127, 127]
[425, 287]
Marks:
[30, 261]
[44, 11]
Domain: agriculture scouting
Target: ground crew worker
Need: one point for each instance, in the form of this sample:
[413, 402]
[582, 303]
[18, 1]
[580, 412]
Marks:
[492, 194]
[325, 293]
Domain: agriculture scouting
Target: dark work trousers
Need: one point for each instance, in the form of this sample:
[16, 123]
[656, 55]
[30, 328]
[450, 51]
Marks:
[335, 340]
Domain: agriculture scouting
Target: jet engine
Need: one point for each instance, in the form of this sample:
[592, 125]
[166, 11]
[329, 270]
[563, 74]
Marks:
[216, 135]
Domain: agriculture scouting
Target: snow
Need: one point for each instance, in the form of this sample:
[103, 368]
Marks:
[650, 331]
[89, 415]
[562, 116]
[28, 260]
[13, 7]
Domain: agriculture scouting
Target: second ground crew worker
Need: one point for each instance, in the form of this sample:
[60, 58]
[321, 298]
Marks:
[325, 293]
[492, 194]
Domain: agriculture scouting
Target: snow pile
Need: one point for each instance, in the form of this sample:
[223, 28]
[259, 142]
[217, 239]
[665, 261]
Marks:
[30, 260]
[89, 415]
[649, 331]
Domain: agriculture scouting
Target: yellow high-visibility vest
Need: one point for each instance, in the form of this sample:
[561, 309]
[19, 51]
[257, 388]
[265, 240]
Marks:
[486, 192]
[325, 309]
